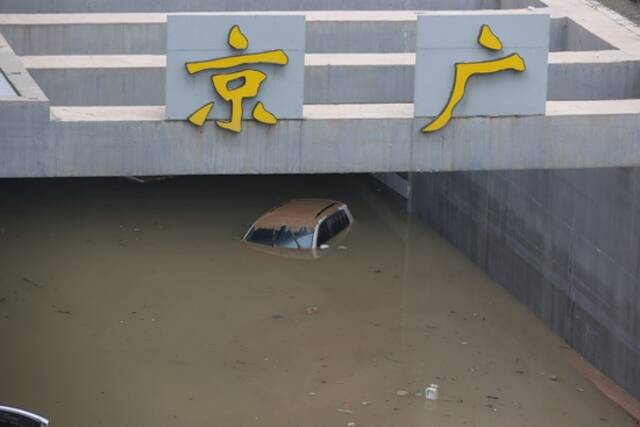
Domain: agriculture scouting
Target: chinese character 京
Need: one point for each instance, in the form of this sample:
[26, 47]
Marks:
[235, 87]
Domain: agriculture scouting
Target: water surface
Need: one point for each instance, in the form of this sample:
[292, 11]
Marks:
[138, 305]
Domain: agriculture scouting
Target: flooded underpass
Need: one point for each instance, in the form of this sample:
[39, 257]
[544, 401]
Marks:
[125, 304]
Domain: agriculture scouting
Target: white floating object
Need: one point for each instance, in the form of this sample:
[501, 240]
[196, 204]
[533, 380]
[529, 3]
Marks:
[431, 392]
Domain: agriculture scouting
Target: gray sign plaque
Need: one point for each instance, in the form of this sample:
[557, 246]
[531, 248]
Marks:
[444, 39]
[192, 38]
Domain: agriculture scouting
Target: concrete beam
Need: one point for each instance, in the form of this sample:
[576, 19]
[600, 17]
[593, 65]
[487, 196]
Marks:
[139, 80]
[97, 6]
[111, 141]
[119, 140]
[330, 78]
[327, 32]
[28, 104]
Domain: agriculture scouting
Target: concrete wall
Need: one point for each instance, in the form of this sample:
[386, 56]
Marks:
[147, 35]
[566, 35]
[325, 84]
[566, 243]
[96, 6]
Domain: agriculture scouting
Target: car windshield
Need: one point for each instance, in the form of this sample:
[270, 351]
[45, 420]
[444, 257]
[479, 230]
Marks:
[282, 237]
[13, 419]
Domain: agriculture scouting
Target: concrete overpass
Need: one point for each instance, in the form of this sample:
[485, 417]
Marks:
[565, 242]
[92, 95]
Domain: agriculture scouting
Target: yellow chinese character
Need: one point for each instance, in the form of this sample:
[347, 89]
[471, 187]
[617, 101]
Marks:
[226, 84]
[465, 70]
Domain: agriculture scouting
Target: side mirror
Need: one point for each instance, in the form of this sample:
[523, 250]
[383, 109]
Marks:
[14, 417]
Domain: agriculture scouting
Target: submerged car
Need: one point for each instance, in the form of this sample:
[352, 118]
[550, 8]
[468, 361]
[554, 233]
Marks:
[300, 224]
[15, 417]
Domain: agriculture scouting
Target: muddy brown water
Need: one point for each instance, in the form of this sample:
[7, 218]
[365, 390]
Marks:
[137, 305]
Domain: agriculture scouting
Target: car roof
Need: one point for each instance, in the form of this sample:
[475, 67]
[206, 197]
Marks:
[298, 213]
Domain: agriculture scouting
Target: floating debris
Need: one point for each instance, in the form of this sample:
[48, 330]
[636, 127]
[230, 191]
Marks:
[312, 310]
[402, 393]
[432, 392]
[32, 282]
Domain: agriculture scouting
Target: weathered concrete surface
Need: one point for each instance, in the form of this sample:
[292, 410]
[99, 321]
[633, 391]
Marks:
[566, 35]
[17, 75]
[140, 142]
[139, 80]
[566, 243]
[330, 78]
[30, 108]
[327, 32]
[6, 88]
[97, 6]
[96, 141]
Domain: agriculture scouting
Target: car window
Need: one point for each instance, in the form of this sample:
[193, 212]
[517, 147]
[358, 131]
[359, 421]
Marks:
[282, 238]
[340, 222]
[324, 232]
[13, 417]
[304, 238]
[331, 226]
[261, 236]
[287, 238]
[13, 420]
